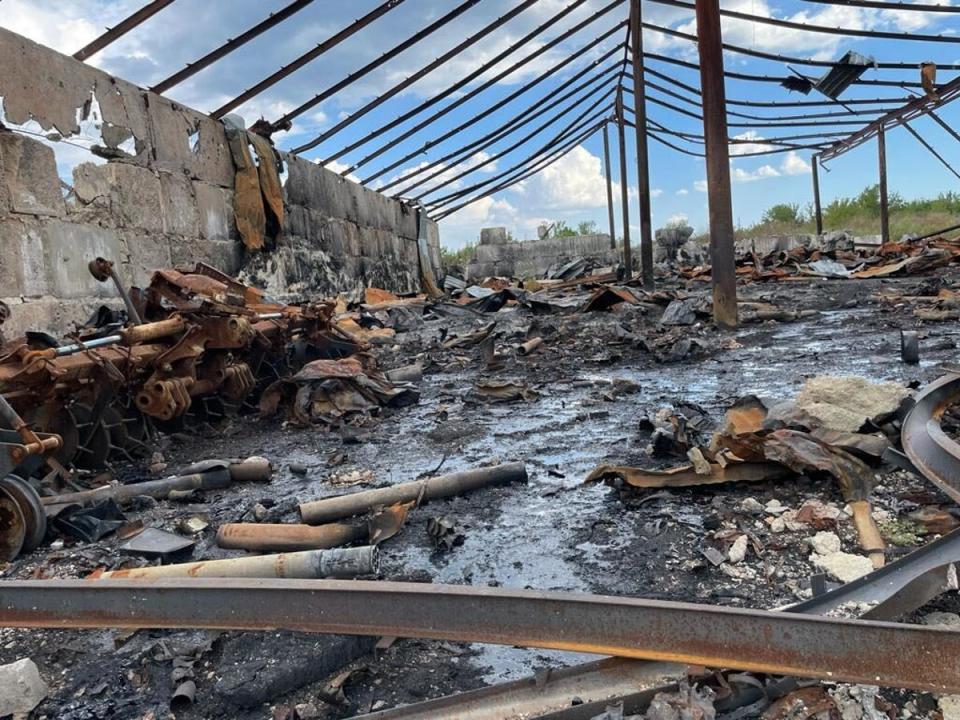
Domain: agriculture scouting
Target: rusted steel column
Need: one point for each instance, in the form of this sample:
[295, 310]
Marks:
[606, 165]
[884, 207]
[627, 256]
[817, 212]
[640, 126]
[710, 46]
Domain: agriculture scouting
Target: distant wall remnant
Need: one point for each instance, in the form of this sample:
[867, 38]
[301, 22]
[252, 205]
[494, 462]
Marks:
[155, 191]
[532, 258]
[494, 236]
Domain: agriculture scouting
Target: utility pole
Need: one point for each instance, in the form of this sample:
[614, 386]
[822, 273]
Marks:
[606, 164]
[627, 254]
[818, 213]
[640, 125]
[884, 207]
[723, 272]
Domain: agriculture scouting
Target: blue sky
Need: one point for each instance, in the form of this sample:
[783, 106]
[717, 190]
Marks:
[573, 188]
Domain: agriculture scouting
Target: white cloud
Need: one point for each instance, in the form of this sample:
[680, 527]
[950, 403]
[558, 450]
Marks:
[339, 167]
[682, 191]
[746, 148]
[700, 185]
[656, 192]
[793, 164]
[678, 219]
[761, 173]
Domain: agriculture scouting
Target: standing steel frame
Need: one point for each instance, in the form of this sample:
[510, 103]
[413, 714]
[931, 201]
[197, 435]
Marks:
[643, 170]
[624, 186]
[817, 209]
[606, 168]
[121, 29]
[882, 168]
[723, 271]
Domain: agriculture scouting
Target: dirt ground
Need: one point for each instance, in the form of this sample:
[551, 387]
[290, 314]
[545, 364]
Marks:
[595, 383]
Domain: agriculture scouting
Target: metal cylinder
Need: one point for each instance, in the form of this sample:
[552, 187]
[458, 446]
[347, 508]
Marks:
[305, 565]
[330, 509]
[407, 373]
[268, 537]
[530, 345]
[154, 331]
[74, 348]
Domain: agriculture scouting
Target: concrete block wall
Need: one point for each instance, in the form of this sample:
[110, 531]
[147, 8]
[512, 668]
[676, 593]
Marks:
[164, 198]
[532, 258]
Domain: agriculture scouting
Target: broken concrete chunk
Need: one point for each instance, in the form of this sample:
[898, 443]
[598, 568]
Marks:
[949, 706]
[21, 687]
[842, 566]
[942, 619]
[28, 170]
[824, 543]
[847, 402]
[738, 551]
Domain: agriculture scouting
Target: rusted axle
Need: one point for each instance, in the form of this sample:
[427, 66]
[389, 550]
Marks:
[837, 649]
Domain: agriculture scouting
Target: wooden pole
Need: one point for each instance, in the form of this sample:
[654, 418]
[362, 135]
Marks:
[817, 211]
[884, 207]
[606, 164]
[627, 254]
[723, 273]
[640, 125]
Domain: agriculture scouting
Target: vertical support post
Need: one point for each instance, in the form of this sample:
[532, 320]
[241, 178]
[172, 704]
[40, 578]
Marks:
[712, 89]
[817, 211]
[606, 164]
[884, 207]
[627, 253]
[640, 125]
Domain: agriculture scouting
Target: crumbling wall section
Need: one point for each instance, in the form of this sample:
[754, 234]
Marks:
[496, 256]
[156, 191]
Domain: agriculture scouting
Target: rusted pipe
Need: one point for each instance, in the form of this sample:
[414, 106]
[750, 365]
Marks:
[215, 477]
[530, 346]
[308, 564]
[267, 537]
[828, 648]
[335, 508]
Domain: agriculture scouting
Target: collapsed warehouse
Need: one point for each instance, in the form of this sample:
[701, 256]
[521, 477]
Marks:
[265, 456]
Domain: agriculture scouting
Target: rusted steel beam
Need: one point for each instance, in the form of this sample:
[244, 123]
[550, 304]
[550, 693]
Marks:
[913, 109]
[524, 117]
[606, 172]
[416, 76]
[121, 29]
[307, 57]
[376, 62]
[624, 185]
[835, 649]
[929, 448]
[882, 169]
[643, 171]
[817, 210]
[722, 258]
[462, 82]
[228, 47]
[537, 166]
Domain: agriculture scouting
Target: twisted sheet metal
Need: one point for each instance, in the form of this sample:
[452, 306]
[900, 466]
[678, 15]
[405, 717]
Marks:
[929, 448]
[857, 651]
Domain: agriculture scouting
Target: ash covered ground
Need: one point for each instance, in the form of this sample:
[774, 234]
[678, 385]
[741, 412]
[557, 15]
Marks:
[595, 384]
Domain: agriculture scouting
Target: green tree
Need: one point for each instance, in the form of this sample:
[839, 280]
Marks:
[587, 227]
[787, 213]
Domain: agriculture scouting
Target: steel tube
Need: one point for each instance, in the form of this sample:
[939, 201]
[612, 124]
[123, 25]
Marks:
[121, 29]
[606, 170]
[643, 171]
[267, 537]
[624, 187]
[74, 348]
[307, 564]
[882, 167]
[817, 210]
[330, 509]
[835, 649]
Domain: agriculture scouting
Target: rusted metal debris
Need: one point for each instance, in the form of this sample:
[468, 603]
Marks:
[929, 448]
[836, 649]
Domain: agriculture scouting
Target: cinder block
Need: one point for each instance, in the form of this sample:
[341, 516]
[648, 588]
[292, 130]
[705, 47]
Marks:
[179, 205]
[29, 176]
[145, 254]
[91, 184]
[215, 212]
[69, 247]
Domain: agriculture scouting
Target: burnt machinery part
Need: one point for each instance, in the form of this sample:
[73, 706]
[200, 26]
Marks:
[13, 529]
[34, 516]
[94, 446]
[929, 448]
[51, 418]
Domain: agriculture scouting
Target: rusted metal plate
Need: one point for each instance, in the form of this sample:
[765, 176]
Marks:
[857, 651]
[929, 448]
